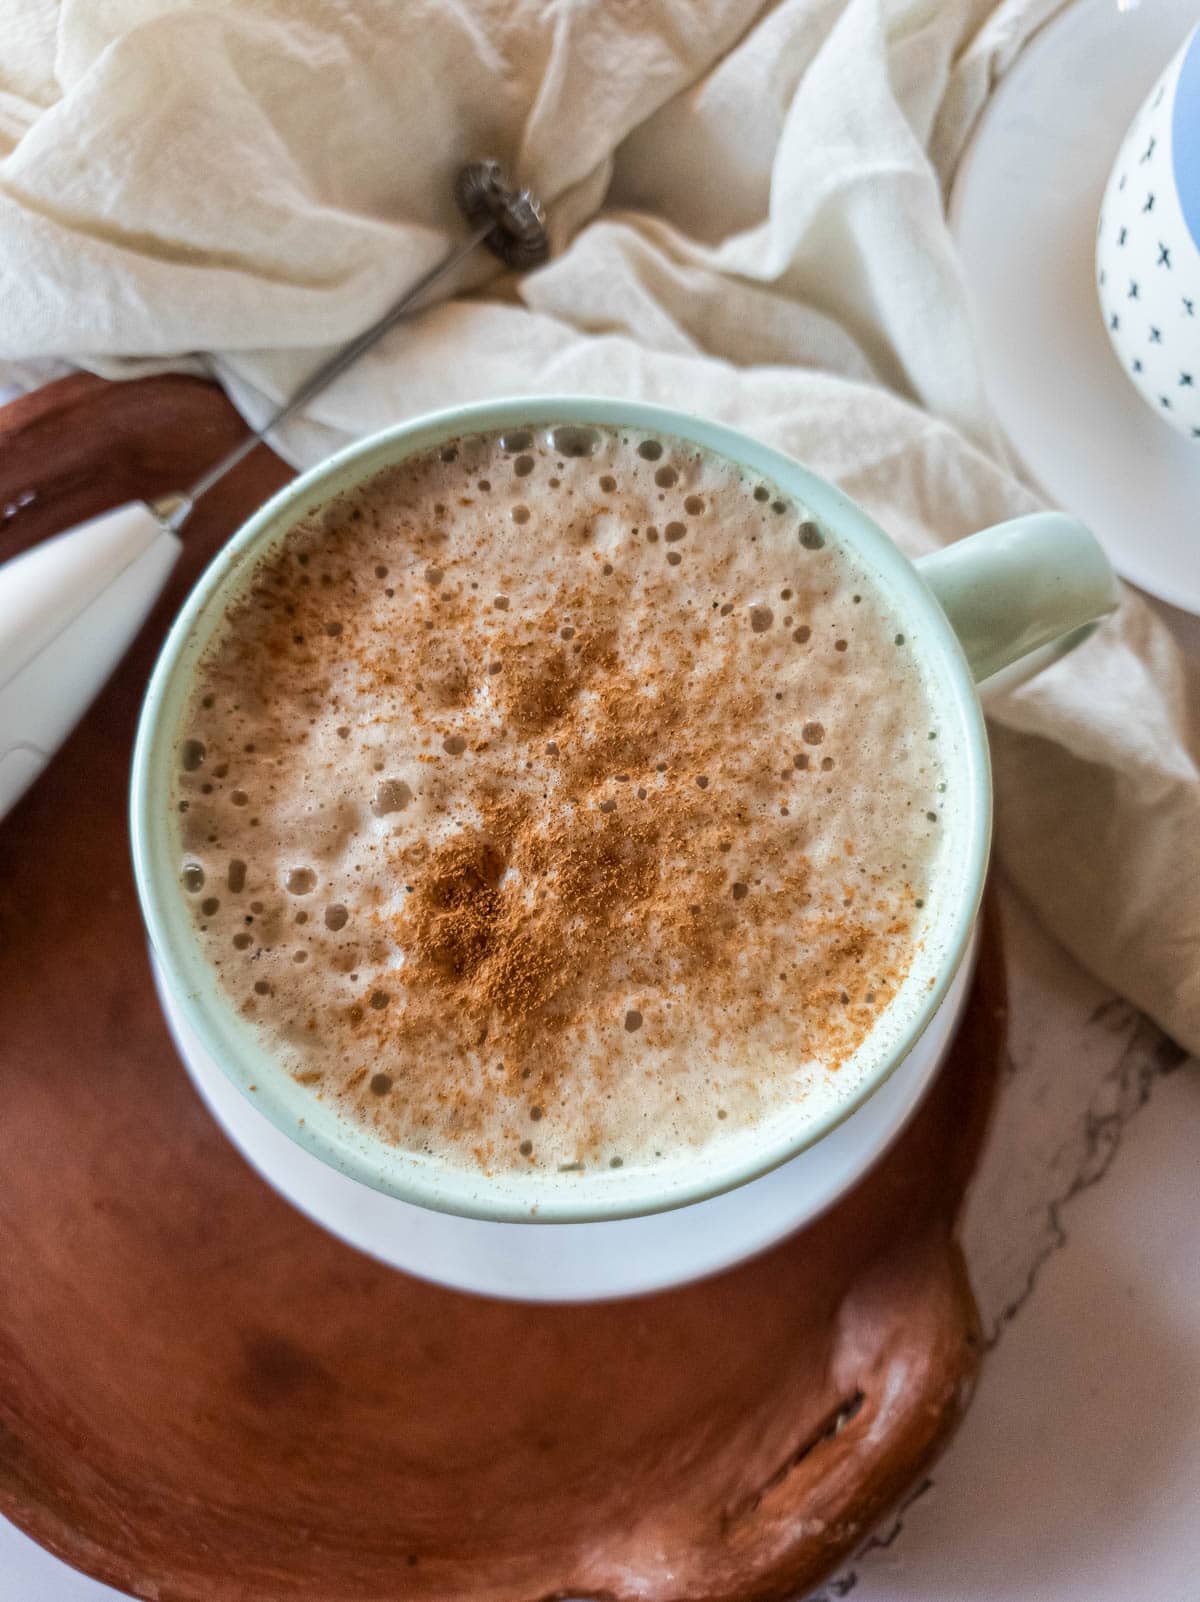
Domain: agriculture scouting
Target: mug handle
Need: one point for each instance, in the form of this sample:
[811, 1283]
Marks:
[1024, 592]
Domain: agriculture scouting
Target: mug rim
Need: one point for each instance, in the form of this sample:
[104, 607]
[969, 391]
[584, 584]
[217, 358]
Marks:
[351, 1150]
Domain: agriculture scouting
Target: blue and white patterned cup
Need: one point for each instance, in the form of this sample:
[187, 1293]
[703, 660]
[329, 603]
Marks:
[1148, 245]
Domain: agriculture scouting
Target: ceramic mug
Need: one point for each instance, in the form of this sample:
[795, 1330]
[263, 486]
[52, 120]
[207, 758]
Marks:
[1002, 597]
[1148, 245]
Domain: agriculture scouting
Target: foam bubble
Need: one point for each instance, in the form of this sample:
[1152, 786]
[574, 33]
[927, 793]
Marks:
[571, 440]
[392, 795]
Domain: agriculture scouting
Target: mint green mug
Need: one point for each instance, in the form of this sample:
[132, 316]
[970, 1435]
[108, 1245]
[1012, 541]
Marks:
[1004, 600]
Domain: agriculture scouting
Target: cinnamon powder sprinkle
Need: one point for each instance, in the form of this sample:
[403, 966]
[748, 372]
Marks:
[534, 799]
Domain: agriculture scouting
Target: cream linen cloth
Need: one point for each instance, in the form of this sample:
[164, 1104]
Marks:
[747, 211]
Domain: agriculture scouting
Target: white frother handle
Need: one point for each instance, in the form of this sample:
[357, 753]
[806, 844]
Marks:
[69, 609]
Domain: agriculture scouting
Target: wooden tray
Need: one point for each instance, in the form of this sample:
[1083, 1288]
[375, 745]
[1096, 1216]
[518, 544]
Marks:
[205, 1398]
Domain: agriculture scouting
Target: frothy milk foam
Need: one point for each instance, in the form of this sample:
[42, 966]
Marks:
[560, 799]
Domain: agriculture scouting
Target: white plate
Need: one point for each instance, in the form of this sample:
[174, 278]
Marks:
[1024, 212]
[579, 1262]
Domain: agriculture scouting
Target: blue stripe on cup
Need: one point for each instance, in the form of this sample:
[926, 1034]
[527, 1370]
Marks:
[1185, 138]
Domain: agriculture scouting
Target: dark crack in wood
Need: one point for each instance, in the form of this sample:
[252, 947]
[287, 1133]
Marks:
[829, 1429]
[574, 1594]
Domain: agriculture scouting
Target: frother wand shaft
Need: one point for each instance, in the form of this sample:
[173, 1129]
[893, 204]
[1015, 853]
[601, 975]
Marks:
[180, 506]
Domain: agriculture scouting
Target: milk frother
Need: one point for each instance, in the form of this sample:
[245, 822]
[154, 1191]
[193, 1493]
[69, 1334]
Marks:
[71, 606]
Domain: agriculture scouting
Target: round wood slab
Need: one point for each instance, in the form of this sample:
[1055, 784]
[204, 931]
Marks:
[205, 1398]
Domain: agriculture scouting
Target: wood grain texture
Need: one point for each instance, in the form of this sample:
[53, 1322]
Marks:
[205, 1398]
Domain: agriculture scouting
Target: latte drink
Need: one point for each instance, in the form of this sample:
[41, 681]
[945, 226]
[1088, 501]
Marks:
[565, 798]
